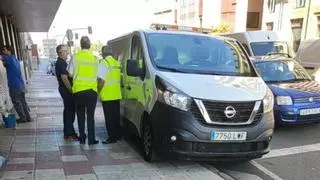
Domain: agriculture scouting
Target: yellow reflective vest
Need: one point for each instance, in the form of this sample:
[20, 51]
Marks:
[112, 85]
[85, 72]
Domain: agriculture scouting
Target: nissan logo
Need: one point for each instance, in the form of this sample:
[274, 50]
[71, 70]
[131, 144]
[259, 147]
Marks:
[230, 112]
[311, 99]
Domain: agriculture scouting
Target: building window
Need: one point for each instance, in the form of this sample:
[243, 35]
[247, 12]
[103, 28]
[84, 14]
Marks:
[270, 26]
[253, 19]
[296, 25]
[271, 5]
[300, 3]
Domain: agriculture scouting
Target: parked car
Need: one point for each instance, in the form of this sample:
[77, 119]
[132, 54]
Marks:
[193, 96]
[297, 95]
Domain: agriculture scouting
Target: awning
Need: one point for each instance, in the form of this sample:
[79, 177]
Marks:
[31, 15]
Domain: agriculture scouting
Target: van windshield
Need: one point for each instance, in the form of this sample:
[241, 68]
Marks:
[265, 48]
[198, 54]
[282, 71]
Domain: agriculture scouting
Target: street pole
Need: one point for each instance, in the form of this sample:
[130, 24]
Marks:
[307, 21]
[200, 8]
[200, 18]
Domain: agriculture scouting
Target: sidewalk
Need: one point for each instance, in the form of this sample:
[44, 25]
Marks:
[38, 151]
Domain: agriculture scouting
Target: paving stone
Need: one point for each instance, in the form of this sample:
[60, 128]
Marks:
[82, 177]
[21, 160]
[74, 158]
[52, 174]
[25, 175]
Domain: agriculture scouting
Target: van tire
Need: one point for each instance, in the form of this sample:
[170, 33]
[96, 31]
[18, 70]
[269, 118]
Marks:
[148, 144]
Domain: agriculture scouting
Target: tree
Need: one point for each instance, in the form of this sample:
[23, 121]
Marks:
[76, 49]
[221, 28]
[95, 47]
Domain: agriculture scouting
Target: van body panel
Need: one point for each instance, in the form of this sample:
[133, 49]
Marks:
[254, 36]
[193, 136]
[218, 88]
[247, 38]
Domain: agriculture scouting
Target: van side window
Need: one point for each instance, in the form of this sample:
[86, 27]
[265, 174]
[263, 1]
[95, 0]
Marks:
[137, 52]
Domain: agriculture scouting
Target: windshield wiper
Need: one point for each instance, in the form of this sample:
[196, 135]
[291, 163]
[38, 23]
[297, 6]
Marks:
[274, 81]
[288, 81]
[302, 79]
[278, 53]
[172, 69]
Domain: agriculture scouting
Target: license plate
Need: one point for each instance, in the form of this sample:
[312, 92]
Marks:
[228, 136]
[304, 112]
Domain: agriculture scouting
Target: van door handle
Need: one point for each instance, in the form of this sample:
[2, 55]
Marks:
[129, 87]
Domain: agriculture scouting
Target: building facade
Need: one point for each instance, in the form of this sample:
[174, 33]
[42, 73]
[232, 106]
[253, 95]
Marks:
[190, 13]
[163, 11]
[294, 20]
[242, 15]
[198, 13]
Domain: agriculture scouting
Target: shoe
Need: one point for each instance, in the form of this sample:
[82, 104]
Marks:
[75, 137]
[20, 121]
[30, 120]
[109, 141]
[94, 142]
[82, 140]
[119, 138]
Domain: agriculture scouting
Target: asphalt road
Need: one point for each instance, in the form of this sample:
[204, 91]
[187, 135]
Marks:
[295, 155]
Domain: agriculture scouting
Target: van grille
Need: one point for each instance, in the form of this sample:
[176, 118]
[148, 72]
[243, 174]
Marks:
[230, 147]
[306, 100]
[312, 117]
[216, 112]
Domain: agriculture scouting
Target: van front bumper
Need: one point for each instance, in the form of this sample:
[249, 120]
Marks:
[179, 134]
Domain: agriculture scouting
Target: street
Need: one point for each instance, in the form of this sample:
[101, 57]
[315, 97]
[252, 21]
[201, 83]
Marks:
[294, 155]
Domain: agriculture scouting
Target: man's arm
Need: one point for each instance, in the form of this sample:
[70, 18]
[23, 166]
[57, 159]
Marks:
[100, 84]
[102, 71]
[66, 82]
[61, 69]
[5, 60]
[70, 69]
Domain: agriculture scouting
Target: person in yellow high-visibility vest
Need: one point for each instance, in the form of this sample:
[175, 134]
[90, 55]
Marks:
[109, 77]
[84, 69]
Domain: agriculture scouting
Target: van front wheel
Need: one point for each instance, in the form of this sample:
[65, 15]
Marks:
[148, 142]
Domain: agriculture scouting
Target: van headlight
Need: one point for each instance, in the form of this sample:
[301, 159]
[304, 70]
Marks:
[172, 96]
[268, 101]
[284, 100]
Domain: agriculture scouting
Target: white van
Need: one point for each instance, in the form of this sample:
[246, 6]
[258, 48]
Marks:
[308, 55]
[193, 96]
[261, 43]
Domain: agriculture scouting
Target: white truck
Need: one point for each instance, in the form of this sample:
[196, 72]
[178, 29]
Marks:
[262, 43]
[308, 55]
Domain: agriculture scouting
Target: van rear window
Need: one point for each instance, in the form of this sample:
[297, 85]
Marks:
[266, 48]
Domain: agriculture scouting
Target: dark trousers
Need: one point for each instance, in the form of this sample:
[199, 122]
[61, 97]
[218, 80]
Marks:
[19, 102]
[111, 111]
[86, 102]
[69, 111]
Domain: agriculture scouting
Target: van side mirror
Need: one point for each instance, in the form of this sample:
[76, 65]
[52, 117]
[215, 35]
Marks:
[133, 68]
